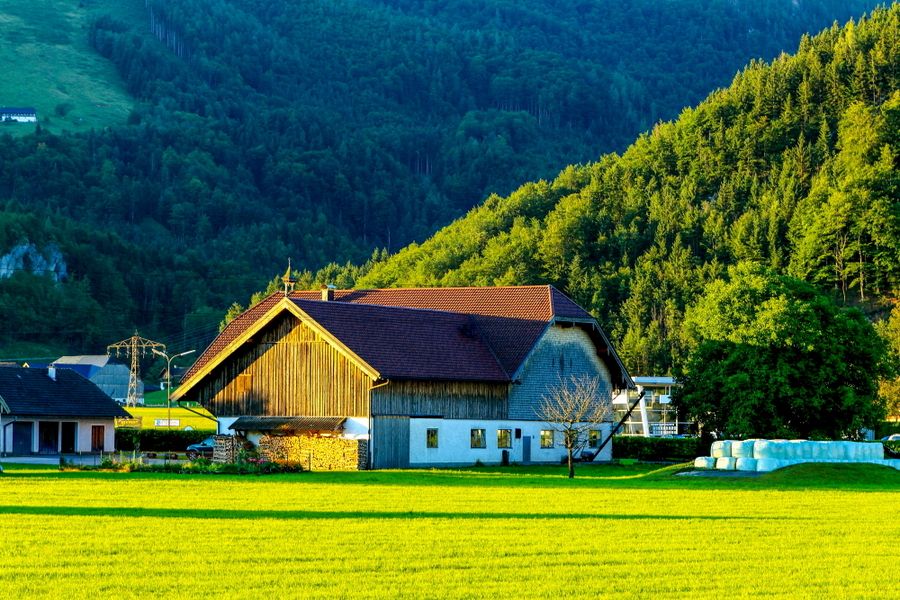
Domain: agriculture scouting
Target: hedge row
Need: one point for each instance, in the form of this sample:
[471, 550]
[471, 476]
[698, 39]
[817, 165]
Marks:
[665, 449]
[157, 440]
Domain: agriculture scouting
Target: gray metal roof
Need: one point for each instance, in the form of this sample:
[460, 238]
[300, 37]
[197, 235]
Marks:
[289, 424]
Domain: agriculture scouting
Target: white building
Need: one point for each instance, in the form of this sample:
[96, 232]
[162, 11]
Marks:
[54, 411]
[17, 114]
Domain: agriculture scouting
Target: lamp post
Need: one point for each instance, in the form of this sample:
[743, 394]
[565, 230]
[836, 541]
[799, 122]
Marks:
[169, 360]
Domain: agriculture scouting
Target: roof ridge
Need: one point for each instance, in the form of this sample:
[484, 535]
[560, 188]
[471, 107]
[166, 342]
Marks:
[398, 307]
[432, 287]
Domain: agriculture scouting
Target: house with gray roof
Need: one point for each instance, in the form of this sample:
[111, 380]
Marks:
[54, 411]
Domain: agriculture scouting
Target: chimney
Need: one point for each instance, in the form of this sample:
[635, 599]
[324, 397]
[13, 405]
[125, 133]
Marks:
[51, 372]
[327, 293]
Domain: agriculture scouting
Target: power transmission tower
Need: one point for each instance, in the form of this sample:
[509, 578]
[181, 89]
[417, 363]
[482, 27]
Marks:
[135, 347]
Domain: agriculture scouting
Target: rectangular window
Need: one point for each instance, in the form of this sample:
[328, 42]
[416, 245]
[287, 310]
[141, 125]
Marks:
[478, 439]
[546, 438]
[431, 438]
[244, 383]
[593, 438]
[504, 438]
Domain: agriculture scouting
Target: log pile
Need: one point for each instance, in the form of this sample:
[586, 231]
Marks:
[227, 448]
[315, 453]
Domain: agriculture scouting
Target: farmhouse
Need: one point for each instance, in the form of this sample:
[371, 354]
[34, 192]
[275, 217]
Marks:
[52, 411]
[410, 377]
[19, 115]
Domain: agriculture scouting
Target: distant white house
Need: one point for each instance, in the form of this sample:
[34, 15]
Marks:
[655, 415]
[18, 114]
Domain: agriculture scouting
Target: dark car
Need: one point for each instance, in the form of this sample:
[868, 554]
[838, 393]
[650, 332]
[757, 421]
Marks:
[204, 449]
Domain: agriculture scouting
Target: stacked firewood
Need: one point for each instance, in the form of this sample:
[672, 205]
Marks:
[315, 453]
[226, 448]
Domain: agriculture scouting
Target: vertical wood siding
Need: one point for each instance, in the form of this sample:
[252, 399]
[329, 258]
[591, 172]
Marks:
[451, 400]
[390, 442]
[287, 369]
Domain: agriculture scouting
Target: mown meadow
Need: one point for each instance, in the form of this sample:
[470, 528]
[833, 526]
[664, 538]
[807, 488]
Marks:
[812, 531]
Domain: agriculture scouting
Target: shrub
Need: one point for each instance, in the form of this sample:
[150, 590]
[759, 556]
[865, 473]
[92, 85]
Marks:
[157, 440]
[664, 449]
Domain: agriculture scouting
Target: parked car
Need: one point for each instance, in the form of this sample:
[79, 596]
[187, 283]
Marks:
[894, 437]
[204, 449]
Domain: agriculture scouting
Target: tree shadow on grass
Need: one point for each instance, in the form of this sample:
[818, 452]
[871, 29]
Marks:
[303, 515]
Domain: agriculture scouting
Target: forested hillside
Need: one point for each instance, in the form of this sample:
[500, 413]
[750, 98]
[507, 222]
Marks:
[325, 129]
[794, 166]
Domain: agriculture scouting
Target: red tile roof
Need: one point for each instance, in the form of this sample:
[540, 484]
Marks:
[475, 333]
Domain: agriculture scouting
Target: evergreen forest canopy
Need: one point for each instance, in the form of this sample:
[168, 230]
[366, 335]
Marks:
[793, 167]
[323, 129]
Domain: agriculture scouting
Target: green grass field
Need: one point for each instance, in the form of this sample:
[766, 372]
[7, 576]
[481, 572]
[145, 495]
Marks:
[47, 63]
[186, 418]
[812, 532]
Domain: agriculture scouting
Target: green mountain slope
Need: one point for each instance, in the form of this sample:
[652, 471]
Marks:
[794, 165]
[48, 65]
[321, 130]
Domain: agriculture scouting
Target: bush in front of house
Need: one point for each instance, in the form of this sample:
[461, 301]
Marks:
[202, 466]
[662, 449]
[157, 440]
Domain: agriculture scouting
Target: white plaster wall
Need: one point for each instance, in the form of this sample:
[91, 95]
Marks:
[356, 428]
[454, 442]
[83, 435]
[224, 423]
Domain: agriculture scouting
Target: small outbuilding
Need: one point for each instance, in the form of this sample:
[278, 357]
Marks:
[54, 411]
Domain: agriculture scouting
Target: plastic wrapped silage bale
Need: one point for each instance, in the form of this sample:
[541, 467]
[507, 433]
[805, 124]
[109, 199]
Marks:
[819, 450]
[801, 449]
[721, 449]
[763, 449]
[705, 462]
[726, 463]
[745, 464]
[873, 451]
[764, 465]
[742, 449]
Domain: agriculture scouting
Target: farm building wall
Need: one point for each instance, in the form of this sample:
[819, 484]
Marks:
[287, 369]
[449, 399]
[561, 353]
[83, 440]
[454, 442]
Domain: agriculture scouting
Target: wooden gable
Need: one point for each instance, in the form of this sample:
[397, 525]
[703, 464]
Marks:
[286, 368]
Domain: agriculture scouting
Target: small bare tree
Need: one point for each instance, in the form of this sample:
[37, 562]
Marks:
[573, 408]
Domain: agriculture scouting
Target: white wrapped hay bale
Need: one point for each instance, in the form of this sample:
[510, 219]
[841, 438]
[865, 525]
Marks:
[819, 450]
[765, 464]
[872, 451]
[771, 449]
[743, 449]
[726, 463]
[705, 462]
[721, 449]
[745, 464]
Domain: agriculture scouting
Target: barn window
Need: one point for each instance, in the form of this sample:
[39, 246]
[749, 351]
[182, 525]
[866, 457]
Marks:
[593, 438]
[546, 438]
[504, 438]
[244, 381]
[478, 439]
[431, 437]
